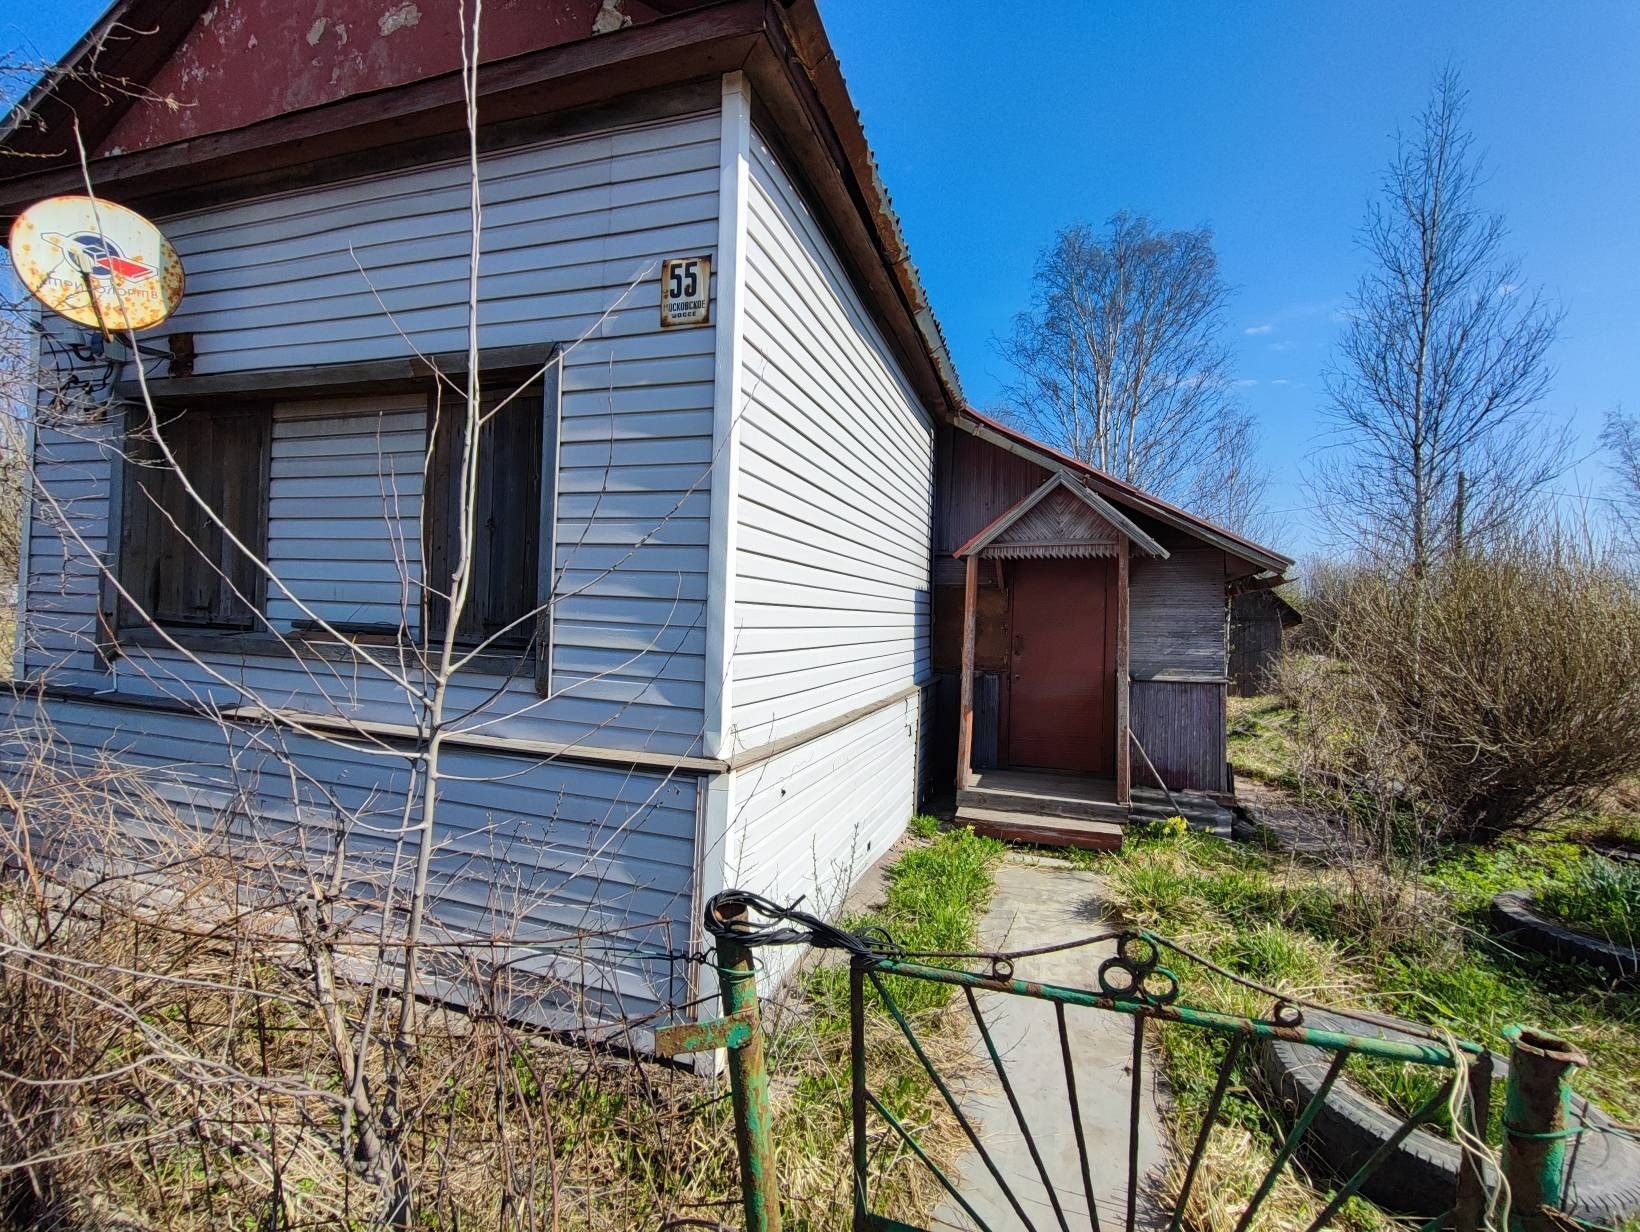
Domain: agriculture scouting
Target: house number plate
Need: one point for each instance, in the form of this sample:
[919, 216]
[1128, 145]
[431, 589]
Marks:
[686, 291]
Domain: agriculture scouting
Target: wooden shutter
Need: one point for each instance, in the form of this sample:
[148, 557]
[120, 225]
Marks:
[507, 519]
[174, 558]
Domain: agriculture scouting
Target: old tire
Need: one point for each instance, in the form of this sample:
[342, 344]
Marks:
[1514, 918]
[1420, 1177]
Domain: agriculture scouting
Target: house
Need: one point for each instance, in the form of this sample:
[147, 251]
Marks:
[1259, 620]
[1079, 642]
[698, 650]
[731, 520]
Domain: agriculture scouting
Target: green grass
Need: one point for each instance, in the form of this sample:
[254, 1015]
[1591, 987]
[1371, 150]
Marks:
[934, 898]
[1601, 897]
[1419, 950]
[1261, 731]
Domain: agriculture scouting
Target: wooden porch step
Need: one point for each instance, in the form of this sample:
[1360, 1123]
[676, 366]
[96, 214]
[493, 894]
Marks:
[1040, 801]
[1014, 827]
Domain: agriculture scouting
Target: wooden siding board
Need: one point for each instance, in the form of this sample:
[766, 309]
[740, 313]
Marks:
[1178, 614]
[1181, 725]
[981, 484]
[371, 450]
[1256, 641]
[835, 486]
[275, 283]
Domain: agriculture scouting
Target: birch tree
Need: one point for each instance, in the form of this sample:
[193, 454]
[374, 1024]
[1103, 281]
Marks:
[1435, 392]
[1621, 438]
[1120, 362]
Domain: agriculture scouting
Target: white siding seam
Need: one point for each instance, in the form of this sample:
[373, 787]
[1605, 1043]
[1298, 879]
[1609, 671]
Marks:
[717, 811]
[735, 162]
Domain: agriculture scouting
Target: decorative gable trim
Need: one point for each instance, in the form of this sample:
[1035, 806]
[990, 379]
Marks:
[1060, 519]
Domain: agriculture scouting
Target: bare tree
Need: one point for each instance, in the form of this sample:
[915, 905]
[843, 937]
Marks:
[1435, 389]
[1232, 479]
[1121, 363]
[1621, 437]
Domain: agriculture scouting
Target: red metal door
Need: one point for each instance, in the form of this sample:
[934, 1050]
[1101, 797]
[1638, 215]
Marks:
[1062, 702]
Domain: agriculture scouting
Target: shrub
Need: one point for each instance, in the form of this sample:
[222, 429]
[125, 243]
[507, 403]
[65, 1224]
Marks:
[1489, 695]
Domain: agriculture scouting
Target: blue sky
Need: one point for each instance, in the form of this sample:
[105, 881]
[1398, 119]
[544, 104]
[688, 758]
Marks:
[997, 124]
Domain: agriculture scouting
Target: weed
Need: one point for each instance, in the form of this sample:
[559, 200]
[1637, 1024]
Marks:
[924, 826]
[1164, 828]
[1261, 734]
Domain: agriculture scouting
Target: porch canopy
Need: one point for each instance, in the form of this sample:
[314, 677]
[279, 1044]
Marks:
[1062, 519]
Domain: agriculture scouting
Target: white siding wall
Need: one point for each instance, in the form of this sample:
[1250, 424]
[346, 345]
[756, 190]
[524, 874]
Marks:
[68, 530]
[808, 822]
[344, 510]
[832, 516]
[524, 848]
[276, 283]
[835, 486]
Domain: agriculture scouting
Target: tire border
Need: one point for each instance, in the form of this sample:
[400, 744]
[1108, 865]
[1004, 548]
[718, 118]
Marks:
[1420, 1176]
[1512, 915]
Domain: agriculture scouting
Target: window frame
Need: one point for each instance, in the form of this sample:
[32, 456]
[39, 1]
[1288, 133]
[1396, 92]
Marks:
[500, 365]
[534, 647]
[118, 616]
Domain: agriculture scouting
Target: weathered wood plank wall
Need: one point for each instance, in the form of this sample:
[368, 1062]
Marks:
[1256, 642]
[1178, 615]
[1181, 725]
[979, 483]
[1178, 612]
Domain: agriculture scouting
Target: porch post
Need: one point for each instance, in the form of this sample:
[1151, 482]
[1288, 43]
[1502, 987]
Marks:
[965, 722]
[1124, 745]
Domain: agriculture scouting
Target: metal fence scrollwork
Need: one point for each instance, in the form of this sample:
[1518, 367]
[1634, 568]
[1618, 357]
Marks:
[1136, 982]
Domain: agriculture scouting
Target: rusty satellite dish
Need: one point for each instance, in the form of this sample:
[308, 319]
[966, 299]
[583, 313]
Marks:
[96, 263]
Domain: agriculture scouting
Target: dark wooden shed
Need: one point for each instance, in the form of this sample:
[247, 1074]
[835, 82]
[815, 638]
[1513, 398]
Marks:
[1080, 633]
[1259, 620]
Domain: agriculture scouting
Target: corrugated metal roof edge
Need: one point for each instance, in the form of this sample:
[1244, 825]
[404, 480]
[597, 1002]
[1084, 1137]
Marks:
[819, 63]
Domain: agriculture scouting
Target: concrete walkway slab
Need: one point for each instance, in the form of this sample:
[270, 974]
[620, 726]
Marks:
[1041, 903]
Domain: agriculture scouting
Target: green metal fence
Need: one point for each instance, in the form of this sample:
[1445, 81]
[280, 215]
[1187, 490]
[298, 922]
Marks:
[1134, 983]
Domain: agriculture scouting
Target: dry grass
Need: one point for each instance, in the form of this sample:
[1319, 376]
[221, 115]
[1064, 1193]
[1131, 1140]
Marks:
[170, 1060]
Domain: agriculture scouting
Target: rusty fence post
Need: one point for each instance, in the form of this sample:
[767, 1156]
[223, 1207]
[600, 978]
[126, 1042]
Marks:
[740, 1032]
[749, 1089]
[1537, 1105]
[1470, 1213]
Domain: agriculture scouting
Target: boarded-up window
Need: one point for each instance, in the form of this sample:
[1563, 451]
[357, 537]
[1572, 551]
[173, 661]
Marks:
[177, 560]
[503, 595]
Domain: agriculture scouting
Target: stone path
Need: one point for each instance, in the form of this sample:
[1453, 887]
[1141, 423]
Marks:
[1293, 827]
[1038, 903]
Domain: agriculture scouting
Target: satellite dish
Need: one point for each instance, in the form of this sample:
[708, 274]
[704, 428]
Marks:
[96, 263]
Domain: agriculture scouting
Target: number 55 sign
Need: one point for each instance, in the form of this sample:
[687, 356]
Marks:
[686, 291]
